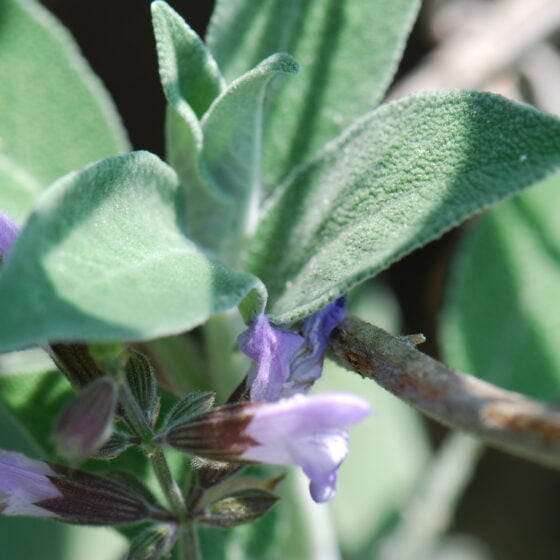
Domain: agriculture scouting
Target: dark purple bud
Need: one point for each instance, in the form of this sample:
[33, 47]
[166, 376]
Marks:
[87, 422]
[244, 507]
[153, 543]
[31, 487]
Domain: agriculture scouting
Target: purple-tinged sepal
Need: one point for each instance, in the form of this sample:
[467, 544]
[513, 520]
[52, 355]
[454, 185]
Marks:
[87, 421]
[9, 230]
[37, 488]
[154, 543]
[218, 435]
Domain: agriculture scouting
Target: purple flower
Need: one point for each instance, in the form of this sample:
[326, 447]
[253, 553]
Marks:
[308, 431]
[31, 487]
[23, 483]
[286, 363]
[8, 233]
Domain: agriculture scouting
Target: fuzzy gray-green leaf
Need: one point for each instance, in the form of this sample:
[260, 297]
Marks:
[104, 257]
[348, 51]
[400, 177]
[55, 115]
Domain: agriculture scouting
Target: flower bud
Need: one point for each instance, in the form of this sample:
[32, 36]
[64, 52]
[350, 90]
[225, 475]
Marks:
[87, 422]
[31, 487]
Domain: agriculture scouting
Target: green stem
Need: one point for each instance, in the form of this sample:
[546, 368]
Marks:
[189, 548]
[167, 482]
[157, 459]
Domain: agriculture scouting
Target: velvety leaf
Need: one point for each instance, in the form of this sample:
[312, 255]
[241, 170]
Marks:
[188, 73]
[104, 257]
[501, 321]
[400, 177]
[191, 80]
[231, 154]
[56, 116]
[348, 52]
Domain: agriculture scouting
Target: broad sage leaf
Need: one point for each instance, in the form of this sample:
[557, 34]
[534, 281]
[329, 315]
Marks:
[402, 176]
[62, 122]
[231, 154]
[104, 257]
[501, 317]
[348, 51]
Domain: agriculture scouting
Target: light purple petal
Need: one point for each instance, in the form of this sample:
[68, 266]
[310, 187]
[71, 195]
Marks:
[8, 233]
[307, 366]
[24, 481]
[319, 456]
[309, 431]
[272, 350]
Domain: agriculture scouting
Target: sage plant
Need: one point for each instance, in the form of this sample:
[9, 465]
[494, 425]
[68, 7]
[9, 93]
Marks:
[284, 188]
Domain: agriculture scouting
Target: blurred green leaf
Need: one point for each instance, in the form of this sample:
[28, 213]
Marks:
[55, 115]
[348, 52]
[399, 178]
[104, 258]
[500, 321]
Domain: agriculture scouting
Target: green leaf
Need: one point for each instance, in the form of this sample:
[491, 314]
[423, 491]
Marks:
[55, 114]
[104, 257]
[348, 52]
[231, 154]
[400, 177]
[189, 75]
[501, 320]
[191, 80]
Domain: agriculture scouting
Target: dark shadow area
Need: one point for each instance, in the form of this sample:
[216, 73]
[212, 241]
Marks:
[117, 40]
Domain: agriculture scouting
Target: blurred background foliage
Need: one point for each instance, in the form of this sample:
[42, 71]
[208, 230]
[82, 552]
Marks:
[400, 464]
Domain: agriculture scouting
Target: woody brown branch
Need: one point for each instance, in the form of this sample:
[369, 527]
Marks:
[502, 418]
